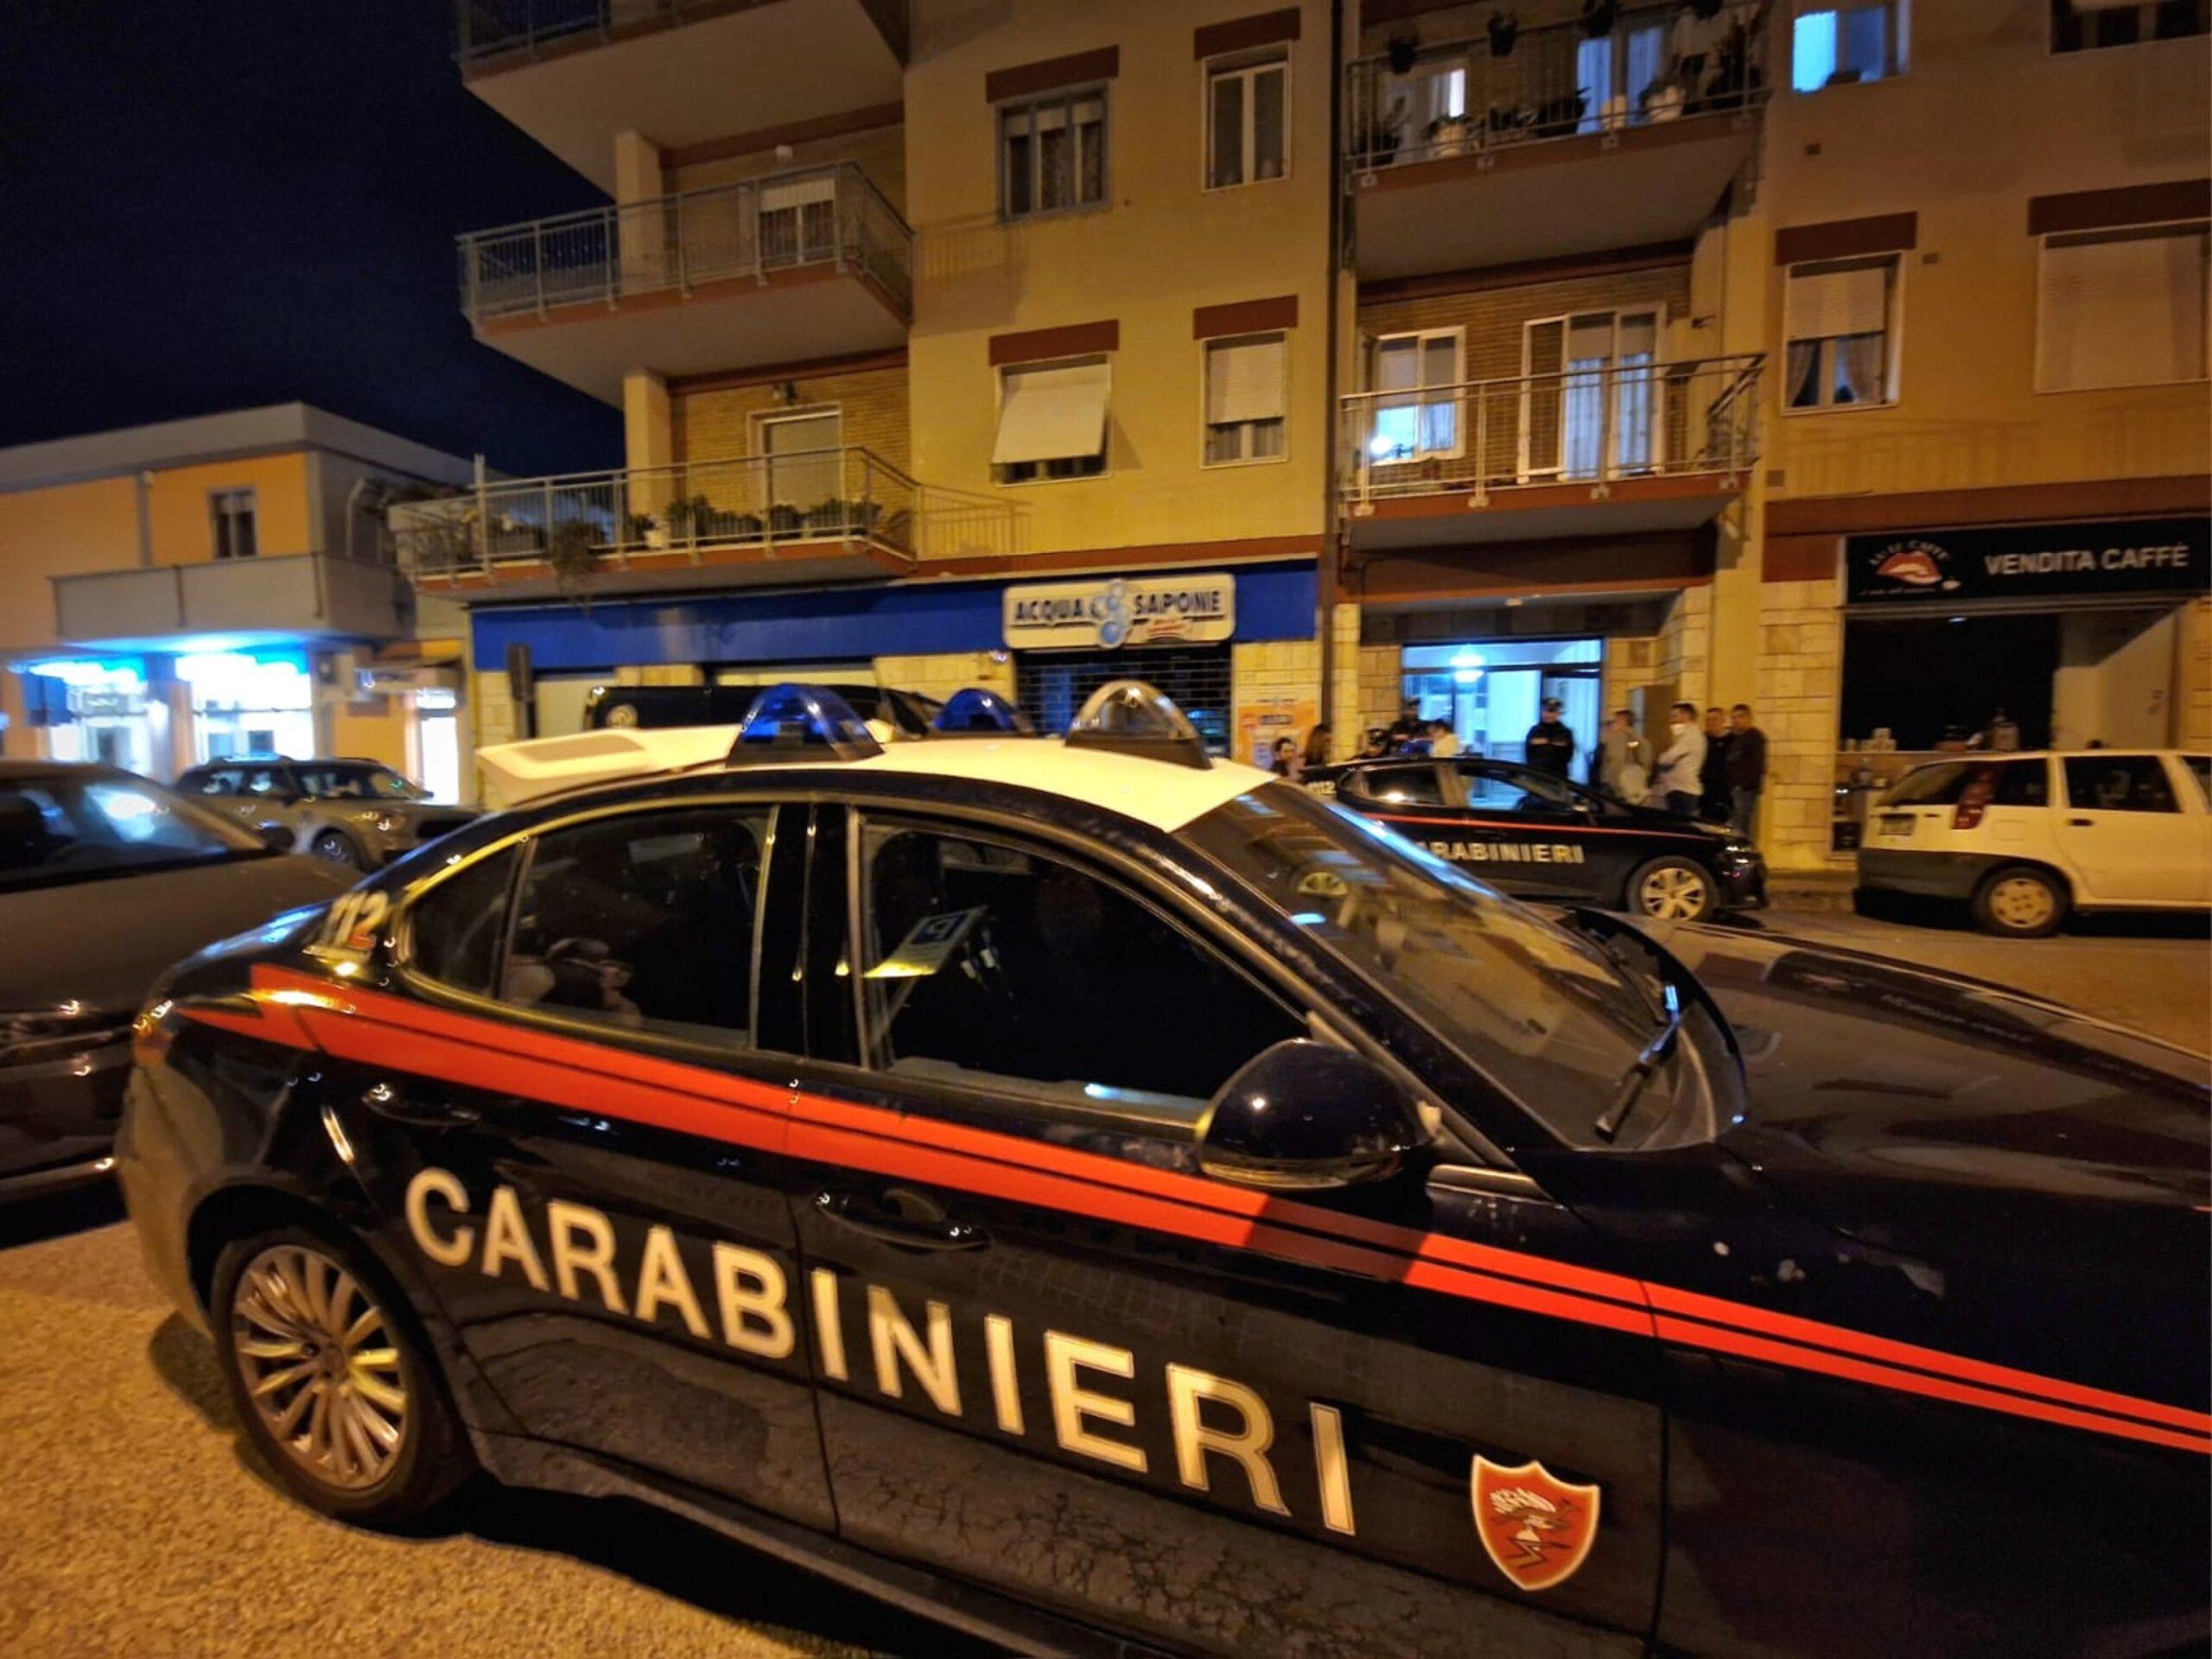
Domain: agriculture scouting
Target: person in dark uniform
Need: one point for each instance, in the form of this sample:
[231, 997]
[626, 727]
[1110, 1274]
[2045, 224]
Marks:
[1714, 800]
[1551, 740]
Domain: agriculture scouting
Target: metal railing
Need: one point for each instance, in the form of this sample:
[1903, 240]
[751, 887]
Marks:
[780, 506]
[828, 215]
[1596, 425]
[1656, 63]
[491, 29]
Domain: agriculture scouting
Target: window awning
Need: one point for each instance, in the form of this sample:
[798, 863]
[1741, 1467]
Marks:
[1244, 381]
[1052, 413]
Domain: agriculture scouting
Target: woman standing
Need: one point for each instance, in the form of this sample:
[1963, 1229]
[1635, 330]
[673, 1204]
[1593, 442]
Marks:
[1317, 747]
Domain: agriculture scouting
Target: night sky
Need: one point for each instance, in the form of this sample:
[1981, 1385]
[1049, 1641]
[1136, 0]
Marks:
[212, 203]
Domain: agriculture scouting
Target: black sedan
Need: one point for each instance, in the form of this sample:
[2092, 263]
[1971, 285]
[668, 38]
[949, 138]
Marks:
[106, 880]
[1539, 836]
[1102, 1198]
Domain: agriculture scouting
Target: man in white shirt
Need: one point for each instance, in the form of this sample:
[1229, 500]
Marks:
[1443, 742]
[1681, 763]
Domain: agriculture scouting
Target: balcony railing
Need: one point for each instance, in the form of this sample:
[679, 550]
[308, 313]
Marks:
[1593, 426]
[1468, 97]
[767, 507]
[813, 216]
[491, 29]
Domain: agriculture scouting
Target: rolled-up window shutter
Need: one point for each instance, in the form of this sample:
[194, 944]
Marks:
[798, 190]
[1052, 413]
[2121, 310]
[1824, 304]
[1244, 380]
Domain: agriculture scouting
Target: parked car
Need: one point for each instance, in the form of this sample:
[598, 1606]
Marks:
[1537, 835]
[360, 813]
[1116, 1201]
[2027, 840]
[106, 880]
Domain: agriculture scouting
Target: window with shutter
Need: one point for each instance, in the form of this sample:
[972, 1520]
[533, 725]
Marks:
[1051, 420]
[2123, 308]
[1246, 397]
[1841, 319]
[1416, 425]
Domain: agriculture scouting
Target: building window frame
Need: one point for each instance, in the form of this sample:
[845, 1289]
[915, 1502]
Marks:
[1418, 395]
[2198, 227]
[1065, 100]
[1247, 67]
[2147, 13]
[1249, 432]
[234, 523]
[1825, 355]
[1074, 469]
[1894, 18]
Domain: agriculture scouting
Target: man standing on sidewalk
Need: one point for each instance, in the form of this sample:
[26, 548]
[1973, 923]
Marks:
[1681, 762]
[1746, 769]
[1713, 777]
[1551, 740]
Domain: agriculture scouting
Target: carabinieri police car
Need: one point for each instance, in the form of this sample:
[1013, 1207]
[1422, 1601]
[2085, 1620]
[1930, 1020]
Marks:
[1117, 1202]
[1541, 836]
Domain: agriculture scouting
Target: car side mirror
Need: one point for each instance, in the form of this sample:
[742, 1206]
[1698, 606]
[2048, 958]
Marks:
[278, 837]
[1303, 1114]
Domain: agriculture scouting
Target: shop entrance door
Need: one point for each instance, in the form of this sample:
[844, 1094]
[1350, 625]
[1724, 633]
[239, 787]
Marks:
[1491, 691]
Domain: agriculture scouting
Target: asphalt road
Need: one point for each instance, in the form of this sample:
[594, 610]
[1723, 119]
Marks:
[132, 1521]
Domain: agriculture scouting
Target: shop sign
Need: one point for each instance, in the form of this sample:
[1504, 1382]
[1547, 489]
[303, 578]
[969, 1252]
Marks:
[2068, 561]
[1133, 610]
[101, 702]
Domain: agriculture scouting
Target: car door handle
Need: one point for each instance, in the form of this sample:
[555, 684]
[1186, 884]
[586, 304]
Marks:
[899, 1216]
[401, 1107]
[2081, 823]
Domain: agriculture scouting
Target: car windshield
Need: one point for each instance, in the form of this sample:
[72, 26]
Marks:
[358, 783]
[1547, 1014]
[71, 827]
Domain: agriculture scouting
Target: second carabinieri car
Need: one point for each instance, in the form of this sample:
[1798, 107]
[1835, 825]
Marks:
[1103, 1198]
[1537, 835]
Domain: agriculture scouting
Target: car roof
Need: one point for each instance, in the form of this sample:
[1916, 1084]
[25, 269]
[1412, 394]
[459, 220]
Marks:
[1954, 758]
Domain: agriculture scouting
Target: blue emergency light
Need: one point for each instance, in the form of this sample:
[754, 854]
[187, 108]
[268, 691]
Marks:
[1129, 717]
[978, 711]
[801, 722]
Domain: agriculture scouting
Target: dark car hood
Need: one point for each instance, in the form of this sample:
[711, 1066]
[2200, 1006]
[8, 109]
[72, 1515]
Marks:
[102, 943]
[1952, 1120]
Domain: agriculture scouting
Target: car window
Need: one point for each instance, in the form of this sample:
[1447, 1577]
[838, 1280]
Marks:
[2119, 783]
[1936, 785]
[455, 930]
[988, 964]
[2018, 783]
[1402, 786]
[70, 826]
[264, 782]
[1515, 790]
[354, 783]
[2200, 767]
[644, 922]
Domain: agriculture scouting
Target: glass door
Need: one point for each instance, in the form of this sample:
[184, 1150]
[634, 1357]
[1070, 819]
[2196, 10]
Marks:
[803, 465]
[1590, 407]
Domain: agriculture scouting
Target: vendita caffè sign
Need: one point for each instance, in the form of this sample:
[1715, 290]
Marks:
[2070, 561]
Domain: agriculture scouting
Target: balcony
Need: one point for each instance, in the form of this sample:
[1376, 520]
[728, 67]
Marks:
[278, 600]
[572, 73]
[1462, 156]
[1610, 451]
[813, 262]
[816, 516]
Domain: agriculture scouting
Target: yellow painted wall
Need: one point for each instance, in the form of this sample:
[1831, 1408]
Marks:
[184, 530]
[1984, 119]
[67, 529]
[1161, 246]
[719, 425]
[372, 729]
[882, 152]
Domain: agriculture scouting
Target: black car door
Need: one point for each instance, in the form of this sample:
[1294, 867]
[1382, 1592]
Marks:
[576, 1131]
[1053, 1355]
[1541, 841]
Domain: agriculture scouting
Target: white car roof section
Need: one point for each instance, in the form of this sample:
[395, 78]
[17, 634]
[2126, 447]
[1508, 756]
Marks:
[1161, 794]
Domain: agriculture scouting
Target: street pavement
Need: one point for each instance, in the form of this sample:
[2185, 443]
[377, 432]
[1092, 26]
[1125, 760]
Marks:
[133, 1521]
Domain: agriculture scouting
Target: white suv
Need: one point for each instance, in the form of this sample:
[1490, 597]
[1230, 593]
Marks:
[2025, 838]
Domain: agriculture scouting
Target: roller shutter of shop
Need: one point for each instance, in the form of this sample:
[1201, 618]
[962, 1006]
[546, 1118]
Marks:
[1052, 685]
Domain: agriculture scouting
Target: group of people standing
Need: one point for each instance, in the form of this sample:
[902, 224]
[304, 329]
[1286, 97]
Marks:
[1715, 773]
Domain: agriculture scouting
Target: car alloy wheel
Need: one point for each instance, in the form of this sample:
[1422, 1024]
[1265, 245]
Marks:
[1673, 892]
[338, 848]
[322, 1366]
[2020, 902]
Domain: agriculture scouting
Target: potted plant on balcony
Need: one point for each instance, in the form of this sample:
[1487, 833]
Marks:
[1402, 49]
[1599, 17]
[1505, 32]
[572, 554]
[785, 519]
[641, 529]
[745, 526]
[1447, 135]
[828, 517]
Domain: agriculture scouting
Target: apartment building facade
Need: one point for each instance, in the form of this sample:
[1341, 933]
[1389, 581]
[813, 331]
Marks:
[1313, 360]
[224, 585]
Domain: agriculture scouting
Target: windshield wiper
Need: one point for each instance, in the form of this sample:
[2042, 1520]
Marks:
[1649, 1058]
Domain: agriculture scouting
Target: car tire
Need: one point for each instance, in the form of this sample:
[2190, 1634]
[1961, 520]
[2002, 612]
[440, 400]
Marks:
[2020, 902]
[339, 849]
[363, 1430]
[1672, 889]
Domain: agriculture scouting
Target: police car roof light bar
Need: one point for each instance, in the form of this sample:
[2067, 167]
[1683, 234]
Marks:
[1129, 717]
[792, 721]
[978, 711]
